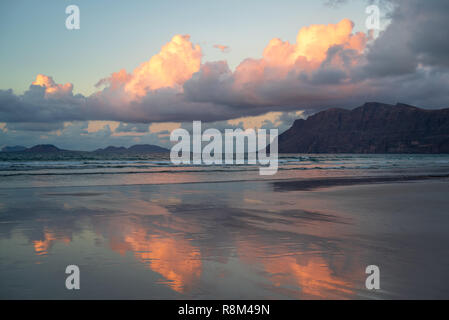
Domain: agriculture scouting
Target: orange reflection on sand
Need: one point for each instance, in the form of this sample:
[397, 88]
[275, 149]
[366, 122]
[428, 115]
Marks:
[41, 247]
[313, 277]
[175, 259]
[310, 275]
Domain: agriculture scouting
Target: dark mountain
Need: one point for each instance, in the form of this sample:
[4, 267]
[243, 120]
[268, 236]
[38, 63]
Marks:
[13, 148]
[138, 148]
[112, 149]
[49, 148]
[146, 148]
[371, 128]
[43, 148]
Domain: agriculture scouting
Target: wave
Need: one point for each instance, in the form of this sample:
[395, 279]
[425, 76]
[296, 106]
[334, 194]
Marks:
[296, 162]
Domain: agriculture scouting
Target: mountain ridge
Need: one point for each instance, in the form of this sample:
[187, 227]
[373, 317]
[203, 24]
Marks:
[49, 148]
[137, 148]
[371, 128]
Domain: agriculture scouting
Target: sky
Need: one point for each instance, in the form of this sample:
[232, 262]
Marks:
[136, 70]
[115, 35]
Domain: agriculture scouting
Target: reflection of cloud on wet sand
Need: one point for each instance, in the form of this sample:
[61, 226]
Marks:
[41, 247]
[311, 274]
[176, 259]
[307, 273]
[144, 227]
[289, 252]
[298, 255]
[295, 250]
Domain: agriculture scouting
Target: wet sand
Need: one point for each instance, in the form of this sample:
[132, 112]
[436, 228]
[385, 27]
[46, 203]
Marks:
[236, 240]
[309, 184]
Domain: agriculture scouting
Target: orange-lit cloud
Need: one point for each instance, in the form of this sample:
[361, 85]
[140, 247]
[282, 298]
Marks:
[307, 54]
[317, 67]
[164, 126]
[116, 79]
[267, 120]
[95, 126]
[257, 121]
[222, 47]
[52, 88]
[173, 65]
[314, 41]
[179, 59]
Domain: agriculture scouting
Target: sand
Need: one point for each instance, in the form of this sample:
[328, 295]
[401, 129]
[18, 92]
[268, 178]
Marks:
[236, 240]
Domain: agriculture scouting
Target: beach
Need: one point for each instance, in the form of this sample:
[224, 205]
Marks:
[236, 239]
[220, 157]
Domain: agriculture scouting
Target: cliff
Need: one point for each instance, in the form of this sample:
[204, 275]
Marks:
[371, 128]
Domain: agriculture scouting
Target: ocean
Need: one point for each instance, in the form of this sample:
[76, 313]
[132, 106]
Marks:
[87, 169]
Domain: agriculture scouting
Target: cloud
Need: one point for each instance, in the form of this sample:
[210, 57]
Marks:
[115, 81]
[132, 127]
[35, 126]
[258, 121]
[95, 126]
[415, 37]
[334, 3]
[164, 127]
[288, 76]
[312, 44]
[326, 66]
[222, 48]
[37, 105]
[51, 88]
[171, 67]
[331, 66]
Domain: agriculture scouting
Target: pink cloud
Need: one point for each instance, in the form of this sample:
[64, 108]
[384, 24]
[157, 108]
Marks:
[52, 89]
[222, 48]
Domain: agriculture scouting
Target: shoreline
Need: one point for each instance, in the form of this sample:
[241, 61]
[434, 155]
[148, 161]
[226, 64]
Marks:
[287, 184]
[311, 184]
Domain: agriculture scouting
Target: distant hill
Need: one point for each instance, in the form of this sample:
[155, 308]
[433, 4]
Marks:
[138, 148]
[371, 128]
[144, 148]
[43, 148]
[49, 148]
[13, 148]
[111, 149]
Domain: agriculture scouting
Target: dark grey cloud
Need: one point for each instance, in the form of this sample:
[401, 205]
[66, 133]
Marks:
[32, 106]
[132, 127]
[417, 35]
[35, 126]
